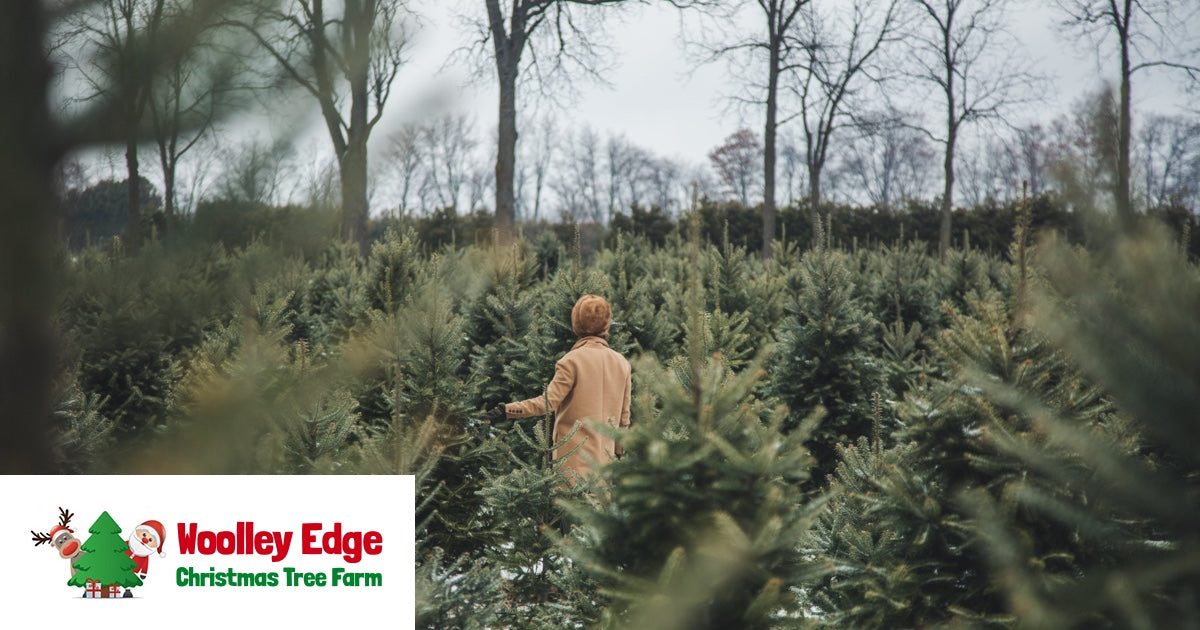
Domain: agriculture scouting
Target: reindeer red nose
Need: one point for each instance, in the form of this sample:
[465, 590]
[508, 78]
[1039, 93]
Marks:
[69, 549]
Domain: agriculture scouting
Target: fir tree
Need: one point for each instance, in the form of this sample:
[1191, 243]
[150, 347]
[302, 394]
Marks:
[825, 356]
[251, 401]
[395, 268]
[739, 283]
[639, 295]
[544, 589]
[335, 300]
[497, 320]
[903, 355]
[83, 435]
[900, 286]
[696, 527]
[459, 595]
[424, 362]
[907, 546]
[1128, 315]
[963, 272]
[883, 532]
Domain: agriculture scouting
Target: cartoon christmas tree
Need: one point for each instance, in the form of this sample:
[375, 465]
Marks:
[105, 561]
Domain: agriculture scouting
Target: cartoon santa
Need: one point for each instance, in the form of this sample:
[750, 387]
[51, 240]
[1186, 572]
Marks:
[145, 540]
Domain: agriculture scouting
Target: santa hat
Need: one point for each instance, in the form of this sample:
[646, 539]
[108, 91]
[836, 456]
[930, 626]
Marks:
[159, 531]
[591, 316]
[59, 528]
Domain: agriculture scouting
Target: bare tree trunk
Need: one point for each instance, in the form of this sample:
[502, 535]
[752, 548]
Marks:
[947, 192]
[168, 166]
[1124, 205]
[814, 202]
[133, 230]
[353, 163]
[353, 167]
[948, 164]
[770, 131]
[506, 156]
[28, 349]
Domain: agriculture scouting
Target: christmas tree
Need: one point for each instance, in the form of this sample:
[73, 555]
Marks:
[904, 530]
[696, 527]
[105, 561]
[1129, 314]
[826, 356]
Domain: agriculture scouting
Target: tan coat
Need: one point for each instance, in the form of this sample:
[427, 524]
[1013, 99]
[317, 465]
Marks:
[591, 382]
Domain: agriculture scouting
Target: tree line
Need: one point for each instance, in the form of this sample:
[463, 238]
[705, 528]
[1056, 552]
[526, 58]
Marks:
[835, 85]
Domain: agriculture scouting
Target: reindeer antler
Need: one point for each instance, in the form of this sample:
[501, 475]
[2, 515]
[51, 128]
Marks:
[64, 518]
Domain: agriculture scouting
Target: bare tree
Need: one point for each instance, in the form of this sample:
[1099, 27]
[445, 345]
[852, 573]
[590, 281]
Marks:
[1029, 158]
[791, 156]
[1005, 166]
[779, 50]
[187, 99]
[663, 177]
[981, 167]
[620, 157]
[630, 170]
[642, 168]
[839, 54]
[890, 161]
[345, 56]
[317, 186]
[479, 184]
[254, 171]
[734, 162]
[405, 159]
[1152, 31]
[511, 26]
[539, 155]
[951, 48]
[448, 142]
[34, 142]
[578, 184]
[1082, 151]
[107, 39]
[1170, 160]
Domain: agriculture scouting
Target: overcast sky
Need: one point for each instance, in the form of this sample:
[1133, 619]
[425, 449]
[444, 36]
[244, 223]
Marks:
[658, 98]
[655, 95]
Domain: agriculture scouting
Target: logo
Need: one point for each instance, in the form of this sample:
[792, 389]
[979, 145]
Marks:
[106, 562]
[212, 551]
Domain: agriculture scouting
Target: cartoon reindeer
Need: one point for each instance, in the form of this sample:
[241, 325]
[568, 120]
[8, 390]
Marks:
[62, 538]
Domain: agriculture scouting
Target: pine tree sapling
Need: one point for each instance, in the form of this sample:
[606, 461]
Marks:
[544, 589]
[459, 595]
[705, 511]
[1129, 316]
[906, 545]
[881, 532]
[826, 356]
[394, 268]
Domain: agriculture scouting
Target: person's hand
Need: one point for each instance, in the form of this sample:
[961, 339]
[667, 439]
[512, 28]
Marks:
[497, 413]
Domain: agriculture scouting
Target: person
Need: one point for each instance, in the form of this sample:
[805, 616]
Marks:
[591, 383]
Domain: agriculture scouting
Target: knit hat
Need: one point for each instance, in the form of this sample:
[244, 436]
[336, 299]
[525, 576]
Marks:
[591, 316]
